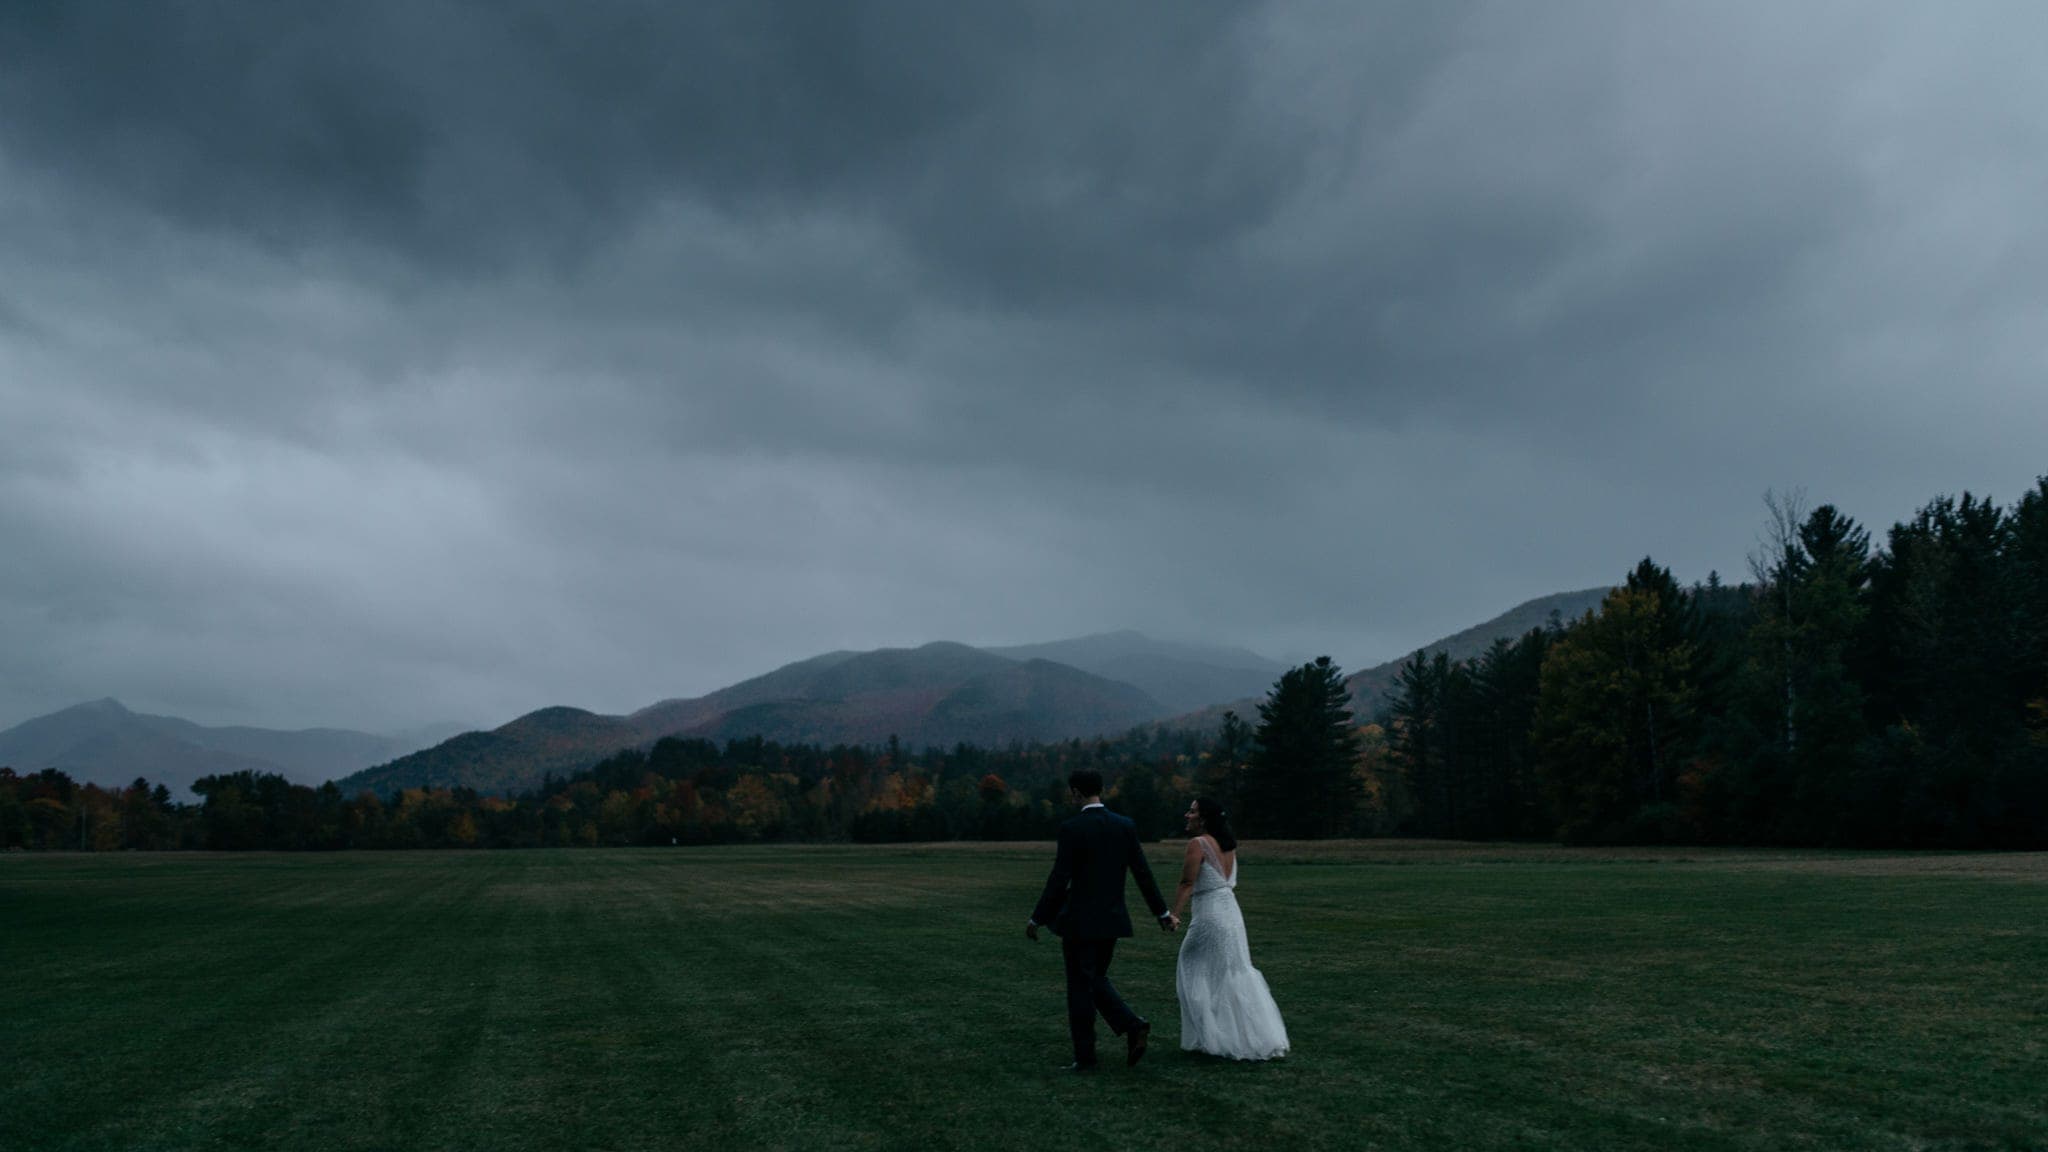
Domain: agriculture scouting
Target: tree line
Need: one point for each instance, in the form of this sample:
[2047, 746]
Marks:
[1299, 773]
[679, 791]
[1849, 695]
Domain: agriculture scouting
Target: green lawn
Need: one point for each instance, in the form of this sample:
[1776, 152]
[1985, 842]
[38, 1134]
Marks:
[827, 997]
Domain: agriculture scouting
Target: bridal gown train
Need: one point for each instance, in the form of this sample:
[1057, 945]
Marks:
[1225, 1007]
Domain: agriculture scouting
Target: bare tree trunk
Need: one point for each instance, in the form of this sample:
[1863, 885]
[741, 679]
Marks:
[1774, 565]
[1791, 694]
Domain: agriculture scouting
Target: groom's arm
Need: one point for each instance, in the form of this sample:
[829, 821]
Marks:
[1142, 869]
[1055, 894]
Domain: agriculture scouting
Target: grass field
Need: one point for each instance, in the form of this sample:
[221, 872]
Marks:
[824, 997]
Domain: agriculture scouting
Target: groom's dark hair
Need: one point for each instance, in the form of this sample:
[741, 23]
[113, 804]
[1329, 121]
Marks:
[1086, 781]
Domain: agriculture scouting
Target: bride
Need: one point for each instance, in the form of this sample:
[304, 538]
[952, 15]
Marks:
[1225, 1007]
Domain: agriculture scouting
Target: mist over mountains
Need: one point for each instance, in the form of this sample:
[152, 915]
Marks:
[942, 694]
[103, 742]
[1369, 686]
[1182, 677]
[939, 694]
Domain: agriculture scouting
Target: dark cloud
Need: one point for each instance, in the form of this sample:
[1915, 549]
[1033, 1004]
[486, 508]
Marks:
[380, 362]
[481, 127]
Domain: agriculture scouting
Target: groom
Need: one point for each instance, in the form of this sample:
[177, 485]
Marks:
[1083, 904]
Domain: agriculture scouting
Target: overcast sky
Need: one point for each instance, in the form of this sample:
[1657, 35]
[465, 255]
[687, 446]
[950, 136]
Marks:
[379, 363]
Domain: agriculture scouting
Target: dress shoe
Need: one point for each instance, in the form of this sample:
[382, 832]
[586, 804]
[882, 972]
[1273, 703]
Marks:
[1135, 1041]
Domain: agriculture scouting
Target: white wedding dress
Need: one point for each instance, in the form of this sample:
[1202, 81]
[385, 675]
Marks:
[1225, 1007]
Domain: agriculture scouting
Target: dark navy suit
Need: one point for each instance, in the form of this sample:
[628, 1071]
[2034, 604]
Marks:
[1084, 905]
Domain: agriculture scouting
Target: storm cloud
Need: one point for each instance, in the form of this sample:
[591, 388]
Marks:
[390, 362]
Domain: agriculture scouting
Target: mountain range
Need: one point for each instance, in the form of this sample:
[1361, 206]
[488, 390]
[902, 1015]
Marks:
[1369, 688]
[103, 742]
[939, 694]
[1182, 677]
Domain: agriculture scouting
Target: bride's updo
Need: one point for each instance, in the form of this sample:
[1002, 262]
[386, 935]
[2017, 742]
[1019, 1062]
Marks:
[1216, 822]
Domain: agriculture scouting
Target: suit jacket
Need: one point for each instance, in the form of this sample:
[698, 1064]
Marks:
[1084, 896]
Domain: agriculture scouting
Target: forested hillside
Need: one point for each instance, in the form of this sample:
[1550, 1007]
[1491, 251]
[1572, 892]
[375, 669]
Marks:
[1849, 694]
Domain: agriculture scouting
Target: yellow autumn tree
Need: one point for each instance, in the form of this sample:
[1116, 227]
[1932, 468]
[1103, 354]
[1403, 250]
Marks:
[755, 806]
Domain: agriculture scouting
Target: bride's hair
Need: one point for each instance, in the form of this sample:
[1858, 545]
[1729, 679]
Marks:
[1216, 822]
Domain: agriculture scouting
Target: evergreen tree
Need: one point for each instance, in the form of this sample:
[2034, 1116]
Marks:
[1832, 602]
[1302, 780]
[1466, 789]
[1614, 702]
[1140, 797]
[1506, 681]
[1416, 743]
[2029, 567]
[1229, 759]
[1945, 684]
[1798, 707]
[1723, 616]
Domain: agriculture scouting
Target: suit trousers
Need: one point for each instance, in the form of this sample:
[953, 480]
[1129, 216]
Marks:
[1089, 991]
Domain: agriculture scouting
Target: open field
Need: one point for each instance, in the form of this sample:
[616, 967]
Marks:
[1439, 996]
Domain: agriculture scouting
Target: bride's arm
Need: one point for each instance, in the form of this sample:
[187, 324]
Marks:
[1190, 865]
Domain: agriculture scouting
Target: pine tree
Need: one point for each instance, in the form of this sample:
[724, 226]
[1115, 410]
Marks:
[1831, 601]
[1229, 757]
[1302, 780]
[1466, 770]
[2029, 550]
[1506, 681]
[1415, 744]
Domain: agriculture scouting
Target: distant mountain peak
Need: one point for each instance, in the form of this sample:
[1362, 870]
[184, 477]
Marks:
[1369, 688]
[558, 712]
[104, 742]
[940, 693]
[1180, 675]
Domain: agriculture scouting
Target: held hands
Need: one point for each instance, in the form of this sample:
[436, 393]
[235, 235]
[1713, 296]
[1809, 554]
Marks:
[1167, 923]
